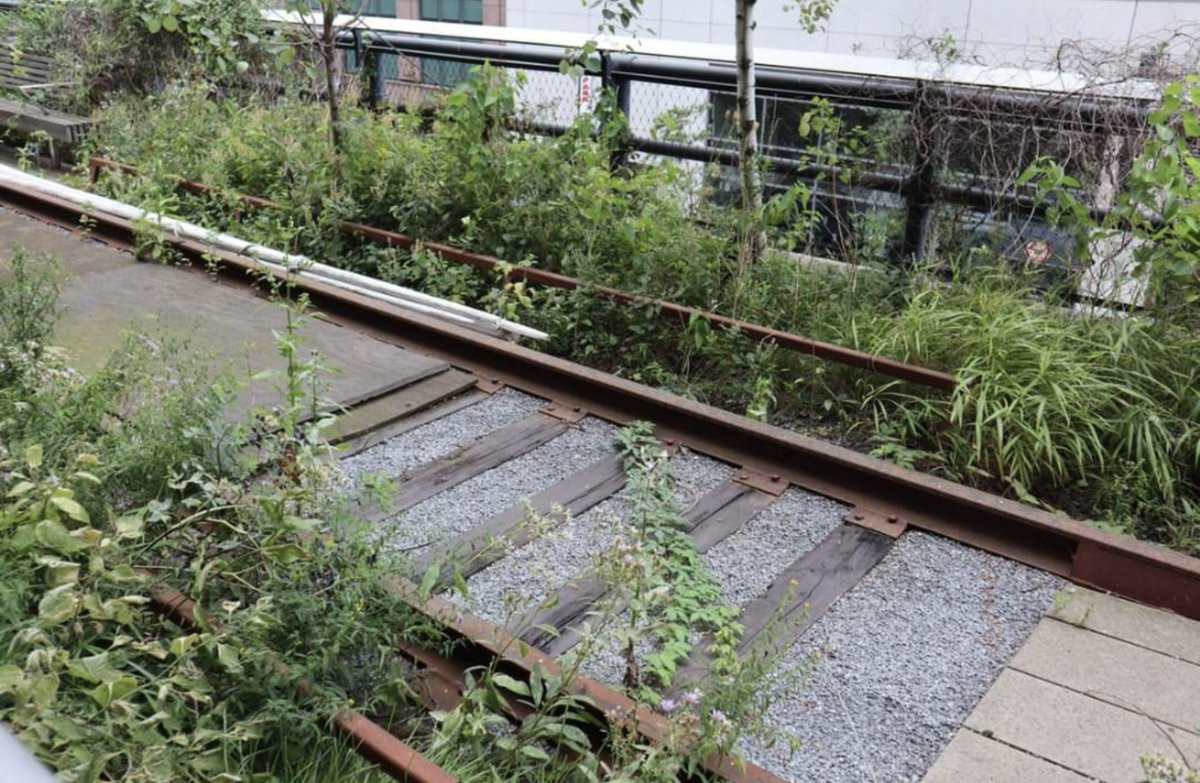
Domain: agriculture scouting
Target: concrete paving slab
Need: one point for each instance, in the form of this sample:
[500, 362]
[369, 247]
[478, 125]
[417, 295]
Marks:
[1187, 743]
[1164, 688]
[109, 294]
[1087, 735]
[973, 758]
[1155, 629]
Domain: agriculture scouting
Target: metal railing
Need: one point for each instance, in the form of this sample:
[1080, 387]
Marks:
[1042, 103]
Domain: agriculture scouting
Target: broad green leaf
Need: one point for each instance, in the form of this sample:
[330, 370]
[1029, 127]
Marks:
[59, 572]
[430, 580]
[183, 644]
[33, 456]
[535, 753]
[70, 508]
[58, 605]
[510, 685]
[93, 668]
[130, 526]
[107, 692]
[170, 24]
[285, 553]
[20, 488]
[228, 656]
[52, 534]
[10, 677]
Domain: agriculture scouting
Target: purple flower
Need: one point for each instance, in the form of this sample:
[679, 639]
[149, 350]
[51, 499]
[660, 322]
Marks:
[693, 697]
[668, 705]
[151, 344]
[719, 717]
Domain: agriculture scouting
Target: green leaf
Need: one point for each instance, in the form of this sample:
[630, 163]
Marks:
[181, 645]
[60, 572]
[429, 580]
[285, 553]
[510, 685]
[130, 526]
[170, 24]
[70, 508]
[228, 656]
[108, 692]
[93, 668]
[535, 753]
[21, 488]
[58, 605]
[10, 677]
[33, 456]
[51, 534]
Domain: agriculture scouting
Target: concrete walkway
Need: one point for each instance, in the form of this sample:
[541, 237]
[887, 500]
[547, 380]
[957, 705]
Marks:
[1100, 683]
[109, 295]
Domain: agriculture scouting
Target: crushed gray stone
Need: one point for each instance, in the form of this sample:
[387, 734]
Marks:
[528, 575]
[398, 456]
[457, 510]
[902, 659]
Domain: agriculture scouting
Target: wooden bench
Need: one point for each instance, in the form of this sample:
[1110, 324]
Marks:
[27, 77]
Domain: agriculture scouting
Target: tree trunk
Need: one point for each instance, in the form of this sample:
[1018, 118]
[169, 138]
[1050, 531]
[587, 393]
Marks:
[328, 60]
[747, 124]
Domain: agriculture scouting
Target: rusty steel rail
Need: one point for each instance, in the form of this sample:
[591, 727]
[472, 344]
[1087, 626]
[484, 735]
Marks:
[372, 741]
[878, 491]
[681, 314]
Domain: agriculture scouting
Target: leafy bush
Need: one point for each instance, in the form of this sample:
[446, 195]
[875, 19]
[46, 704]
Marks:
[112, 489]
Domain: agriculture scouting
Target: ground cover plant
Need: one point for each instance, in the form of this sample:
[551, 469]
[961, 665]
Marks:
[116, 484]
[1093, 414]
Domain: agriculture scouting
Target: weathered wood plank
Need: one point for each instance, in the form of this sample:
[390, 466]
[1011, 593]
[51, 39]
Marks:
[483, 545]
[797, 598]
[484, 454]
[407, 399]
[58, 126]
[800, 595]
[409, 423]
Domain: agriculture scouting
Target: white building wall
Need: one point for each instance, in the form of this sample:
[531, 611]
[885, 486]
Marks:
[993, 32]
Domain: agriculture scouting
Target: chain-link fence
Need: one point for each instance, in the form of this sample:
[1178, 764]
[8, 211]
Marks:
[894, 168]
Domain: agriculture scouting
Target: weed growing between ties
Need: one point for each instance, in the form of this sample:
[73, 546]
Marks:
[1092, 414]
[114, 486]
[660, 607]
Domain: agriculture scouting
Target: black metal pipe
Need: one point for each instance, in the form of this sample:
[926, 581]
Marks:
[874, 91]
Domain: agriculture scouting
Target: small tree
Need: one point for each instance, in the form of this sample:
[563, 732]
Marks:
[812, 15]
[323, 35]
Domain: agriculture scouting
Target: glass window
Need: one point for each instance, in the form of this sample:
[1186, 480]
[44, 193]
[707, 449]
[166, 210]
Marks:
[447, 73]
[466, 11]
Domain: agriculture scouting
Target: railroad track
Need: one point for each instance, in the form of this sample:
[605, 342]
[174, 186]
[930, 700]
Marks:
[914, 590]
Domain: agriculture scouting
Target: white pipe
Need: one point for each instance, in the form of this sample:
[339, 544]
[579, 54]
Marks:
[368, 286]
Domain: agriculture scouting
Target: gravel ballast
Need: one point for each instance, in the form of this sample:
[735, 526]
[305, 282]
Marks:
[528, 575]
[398, 456]
[902, 659]
[457, 510]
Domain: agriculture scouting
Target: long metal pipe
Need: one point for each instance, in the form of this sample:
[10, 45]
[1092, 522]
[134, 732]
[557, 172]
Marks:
[277, 260]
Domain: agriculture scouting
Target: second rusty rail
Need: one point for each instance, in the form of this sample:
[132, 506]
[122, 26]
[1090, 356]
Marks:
[681, 314]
